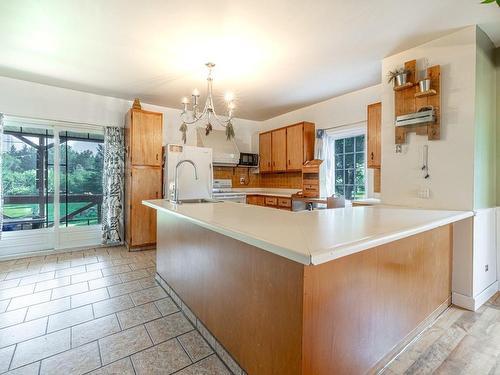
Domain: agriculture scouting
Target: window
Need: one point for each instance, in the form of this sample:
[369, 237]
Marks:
[81, 163]
[28, 184]
[29, 175]
[350, 167]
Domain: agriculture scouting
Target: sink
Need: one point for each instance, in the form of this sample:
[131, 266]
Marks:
[187, 201]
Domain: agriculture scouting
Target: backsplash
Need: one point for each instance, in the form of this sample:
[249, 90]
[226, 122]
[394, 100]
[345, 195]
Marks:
[292, 180]
[253, 180]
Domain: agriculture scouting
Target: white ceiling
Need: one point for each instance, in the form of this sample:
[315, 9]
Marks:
[275, 55]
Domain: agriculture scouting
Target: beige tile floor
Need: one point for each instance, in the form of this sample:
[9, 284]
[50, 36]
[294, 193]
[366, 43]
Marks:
[459, 342]
[97, 311]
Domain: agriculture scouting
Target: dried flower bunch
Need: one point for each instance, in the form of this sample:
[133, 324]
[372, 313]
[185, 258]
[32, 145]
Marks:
[392, 74]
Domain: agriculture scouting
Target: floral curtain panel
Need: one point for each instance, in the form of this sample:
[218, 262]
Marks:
[325, 151]
[113, 186]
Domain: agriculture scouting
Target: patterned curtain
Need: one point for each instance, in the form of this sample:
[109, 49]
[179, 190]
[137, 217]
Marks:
[1, 182]
[113, 189]
[325, 151]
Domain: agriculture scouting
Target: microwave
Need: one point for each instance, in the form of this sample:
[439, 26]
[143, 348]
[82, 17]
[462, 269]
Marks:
[249, 160]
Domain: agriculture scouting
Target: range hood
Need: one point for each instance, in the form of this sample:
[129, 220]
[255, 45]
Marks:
[224, 152]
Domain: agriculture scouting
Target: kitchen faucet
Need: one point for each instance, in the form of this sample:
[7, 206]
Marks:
[176, 177]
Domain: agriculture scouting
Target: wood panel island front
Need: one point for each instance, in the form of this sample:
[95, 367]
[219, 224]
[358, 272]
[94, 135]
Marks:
[325, 292]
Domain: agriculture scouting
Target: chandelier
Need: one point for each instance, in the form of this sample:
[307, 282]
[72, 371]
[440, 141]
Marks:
[208, 113]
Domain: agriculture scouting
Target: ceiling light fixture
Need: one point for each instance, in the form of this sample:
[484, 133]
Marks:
[208, 112]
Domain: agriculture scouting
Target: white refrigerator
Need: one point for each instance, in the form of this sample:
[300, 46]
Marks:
[189, 186]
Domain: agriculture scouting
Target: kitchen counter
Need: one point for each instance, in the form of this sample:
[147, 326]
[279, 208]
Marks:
[309, 292]
[285, 193]
[311, 237]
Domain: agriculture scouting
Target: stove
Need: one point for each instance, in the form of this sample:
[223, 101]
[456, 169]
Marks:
[223, 190]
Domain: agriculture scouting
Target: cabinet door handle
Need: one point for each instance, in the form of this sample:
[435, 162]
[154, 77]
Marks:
[156, 156]
[289, 162]
[156, 194]
[372, 155]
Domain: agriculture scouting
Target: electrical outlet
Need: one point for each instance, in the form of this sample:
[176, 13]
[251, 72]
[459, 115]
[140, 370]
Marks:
[242, 180]
[486, 268]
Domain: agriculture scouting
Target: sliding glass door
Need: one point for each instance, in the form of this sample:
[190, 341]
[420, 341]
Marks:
[28, 182]
[81, 163]
[52, 186]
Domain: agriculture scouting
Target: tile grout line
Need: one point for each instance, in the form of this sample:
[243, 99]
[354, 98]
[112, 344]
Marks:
[12, 358]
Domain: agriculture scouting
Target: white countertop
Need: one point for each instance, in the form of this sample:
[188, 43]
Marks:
[311, 237]
[275, 192]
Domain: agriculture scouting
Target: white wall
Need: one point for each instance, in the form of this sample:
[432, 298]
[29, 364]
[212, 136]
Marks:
[28, 99]
[345, 109]
[485, 123]
[451, 157]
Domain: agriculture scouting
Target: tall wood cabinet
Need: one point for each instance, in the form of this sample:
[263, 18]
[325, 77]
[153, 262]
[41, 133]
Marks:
[374, 116]
[143, 164]
[287, 148]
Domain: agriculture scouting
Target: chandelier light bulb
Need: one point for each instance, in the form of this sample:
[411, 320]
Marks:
[231, 105]
[196, 92]
[185, 100]
[229, 97]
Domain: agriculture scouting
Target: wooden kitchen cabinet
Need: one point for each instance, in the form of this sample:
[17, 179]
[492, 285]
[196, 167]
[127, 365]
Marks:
[294, 147]
[257, 200]
[285, 203]
[278, 150]
[286, 149]
[143, 166]
[374, 117]
[265, 156]
[271, 201]
[145, 138]
[144, 183]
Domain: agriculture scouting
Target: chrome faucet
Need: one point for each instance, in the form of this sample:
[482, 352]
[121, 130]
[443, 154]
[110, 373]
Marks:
[176, 177]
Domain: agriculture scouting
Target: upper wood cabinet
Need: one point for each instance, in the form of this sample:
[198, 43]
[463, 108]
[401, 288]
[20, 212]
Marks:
[374, 122]
[287, 148]
[278, 150]
[145, 137]
[265, 157]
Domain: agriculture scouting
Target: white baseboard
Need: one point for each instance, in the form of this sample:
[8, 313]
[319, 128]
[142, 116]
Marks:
[54, 251]
[474, 303]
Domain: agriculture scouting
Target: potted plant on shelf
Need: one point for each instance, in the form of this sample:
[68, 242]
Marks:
[399, 76]
[424, 84]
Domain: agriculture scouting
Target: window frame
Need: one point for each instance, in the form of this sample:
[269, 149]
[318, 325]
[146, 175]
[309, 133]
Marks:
[337, 134]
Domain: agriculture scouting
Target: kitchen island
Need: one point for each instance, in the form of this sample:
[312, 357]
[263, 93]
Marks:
[323, 292]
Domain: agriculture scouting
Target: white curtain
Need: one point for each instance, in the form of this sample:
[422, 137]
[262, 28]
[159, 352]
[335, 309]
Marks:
[1, 179]
[112, 186]
[325, 151]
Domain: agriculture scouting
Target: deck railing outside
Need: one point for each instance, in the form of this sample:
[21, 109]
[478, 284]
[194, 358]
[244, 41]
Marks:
[76, 209]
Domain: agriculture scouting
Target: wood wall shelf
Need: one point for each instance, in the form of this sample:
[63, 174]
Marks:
[410, 100]
[407, 85]
[422, 94]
